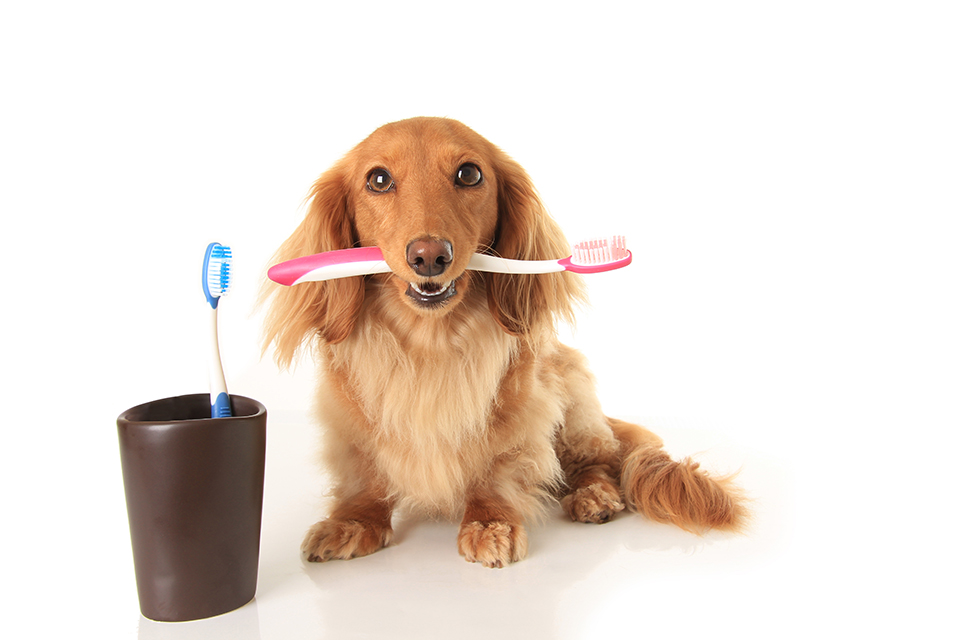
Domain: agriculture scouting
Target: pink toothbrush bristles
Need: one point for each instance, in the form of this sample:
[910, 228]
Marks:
[599, 251]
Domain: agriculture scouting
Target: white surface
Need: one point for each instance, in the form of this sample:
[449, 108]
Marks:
[786, 176]
[573, 584]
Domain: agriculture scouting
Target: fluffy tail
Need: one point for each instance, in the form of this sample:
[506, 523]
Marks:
[678, 493]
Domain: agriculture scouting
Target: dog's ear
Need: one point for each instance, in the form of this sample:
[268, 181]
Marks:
[524, 303]
[329, 309]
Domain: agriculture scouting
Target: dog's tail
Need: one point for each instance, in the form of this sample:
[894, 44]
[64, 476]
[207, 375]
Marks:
[673, 492]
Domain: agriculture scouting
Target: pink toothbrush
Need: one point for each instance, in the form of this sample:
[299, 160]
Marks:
[590, 256]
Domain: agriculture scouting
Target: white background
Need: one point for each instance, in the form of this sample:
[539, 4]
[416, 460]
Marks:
[786, 174]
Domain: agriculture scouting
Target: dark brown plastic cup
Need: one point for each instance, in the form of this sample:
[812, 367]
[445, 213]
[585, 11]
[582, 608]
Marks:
[194, 490]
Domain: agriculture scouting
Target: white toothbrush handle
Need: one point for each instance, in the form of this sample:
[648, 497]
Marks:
[219, 399]
[484, 262]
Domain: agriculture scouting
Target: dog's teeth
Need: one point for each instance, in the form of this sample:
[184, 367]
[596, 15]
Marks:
[430, 293]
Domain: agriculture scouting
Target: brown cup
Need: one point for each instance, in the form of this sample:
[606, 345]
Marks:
[194, 490]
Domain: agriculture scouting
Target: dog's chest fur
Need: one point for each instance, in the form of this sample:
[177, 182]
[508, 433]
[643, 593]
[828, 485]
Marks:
[428, 394]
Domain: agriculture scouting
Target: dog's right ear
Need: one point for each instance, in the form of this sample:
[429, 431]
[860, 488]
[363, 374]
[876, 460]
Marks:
[327, 310]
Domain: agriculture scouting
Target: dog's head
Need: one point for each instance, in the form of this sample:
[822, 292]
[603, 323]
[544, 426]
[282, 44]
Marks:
[429, 192]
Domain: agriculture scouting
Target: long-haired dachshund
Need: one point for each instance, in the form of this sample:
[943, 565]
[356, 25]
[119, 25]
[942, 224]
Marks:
[445, 391]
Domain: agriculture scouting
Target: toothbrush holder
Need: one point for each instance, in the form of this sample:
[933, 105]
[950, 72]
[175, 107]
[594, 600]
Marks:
[194, 493]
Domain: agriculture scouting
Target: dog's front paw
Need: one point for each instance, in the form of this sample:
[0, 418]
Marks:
[596, 503]
[344, 539]
[492, 544]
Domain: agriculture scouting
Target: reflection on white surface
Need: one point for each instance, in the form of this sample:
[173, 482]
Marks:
[242, 624]
[823, 549]
[629, 576]
[420, 586]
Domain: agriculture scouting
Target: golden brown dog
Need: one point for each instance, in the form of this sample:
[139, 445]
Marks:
[445, 391]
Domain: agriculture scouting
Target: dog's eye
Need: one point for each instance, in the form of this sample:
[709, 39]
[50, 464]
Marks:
[468, 175]
[380, 181]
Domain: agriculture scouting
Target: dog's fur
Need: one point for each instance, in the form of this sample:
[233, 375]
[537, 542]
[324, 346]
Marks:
[468, 407]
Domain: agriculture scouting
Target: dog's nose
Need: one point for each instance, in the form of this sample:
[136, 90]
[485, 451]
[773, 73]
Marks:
[429, 257]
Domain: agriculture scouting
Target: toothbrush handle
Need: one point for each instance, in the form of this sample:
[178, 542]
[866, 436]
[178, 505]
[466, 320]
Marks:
[221, 406]
[341, 263]
[493, 264]
[219, 399]
[342, 270]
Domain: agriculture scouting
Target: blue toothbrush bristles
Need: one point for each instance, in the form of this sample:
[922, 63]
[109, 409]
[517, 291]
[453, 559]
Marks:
[218, 271]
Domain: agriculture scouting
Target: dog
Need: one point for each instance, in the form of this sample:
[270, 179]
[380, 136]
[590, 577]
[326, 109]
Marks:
[445, 391]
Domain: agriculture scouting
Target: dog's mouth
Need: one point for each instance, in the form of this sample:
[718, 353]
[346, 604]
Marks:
[431, 294]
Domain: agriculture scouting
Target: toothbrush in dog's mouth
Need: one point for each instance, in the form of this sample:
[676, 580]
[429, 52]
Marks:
[591, 256]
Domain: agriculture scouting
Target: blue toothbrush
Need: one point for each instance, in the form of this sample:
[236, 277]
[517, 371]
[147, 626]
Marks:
[216, 282]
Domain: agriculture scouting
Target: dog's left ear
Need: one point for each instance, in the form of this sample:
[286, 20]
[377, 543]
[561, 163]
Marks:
[524, 303]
